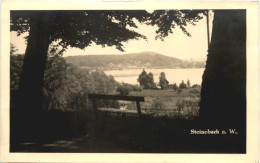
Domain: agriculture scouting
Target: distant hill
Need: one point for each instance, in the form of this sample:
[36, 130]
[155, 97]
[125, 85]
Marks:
[132, 60]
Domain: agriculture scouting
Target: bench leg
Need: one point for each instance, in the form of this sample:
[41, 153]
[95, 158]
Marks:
[138, 108]
[95, 108]
[94, 104]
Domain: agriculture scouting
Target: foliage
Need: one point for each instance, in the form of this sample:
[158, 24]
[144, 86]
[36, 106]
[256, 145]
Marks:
[175, 87]
[142, 79]
[195, 90]
[179, 90]
[182, 85]
[179, 105]
[16, 63]
[125, 88]
[188, 107]
[195, 86]
[167, 20]
[158, 104]
[107, 104]
[83, 28]
[146, 80]
[188, 83]
[66, 87]
[13, 49]
[163, 82]
[136, 88]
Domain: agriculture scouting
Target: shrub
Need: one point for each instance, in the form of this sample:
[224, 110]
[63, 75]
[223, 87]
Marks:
[179, 90]
[195, 90]
[189, 108]
[136, 88]
[182, 85]
[158, 104]
[179, 105]
[195, 86]
[175, 87]
[131, 106]
[108, 104]
[124, 89]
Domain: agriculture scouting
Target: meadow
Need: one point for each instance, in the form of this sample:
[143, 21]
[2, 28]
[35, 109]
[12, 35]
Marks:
[168, 102]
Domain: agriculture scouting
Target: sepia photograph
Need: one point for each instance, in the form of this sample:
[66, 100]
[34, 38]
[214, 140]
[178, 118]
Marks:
[137, 81]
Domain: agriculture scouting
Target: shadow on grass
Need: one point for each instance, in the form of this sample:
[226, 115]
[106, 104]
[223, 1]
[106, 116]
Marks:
[104, 133]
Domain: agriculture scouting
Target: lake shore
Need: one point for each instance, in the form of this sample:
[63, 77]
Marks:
[172, 75]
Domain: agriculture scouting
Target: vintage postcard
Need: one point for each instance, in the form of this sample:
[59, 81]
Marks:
[129, 81]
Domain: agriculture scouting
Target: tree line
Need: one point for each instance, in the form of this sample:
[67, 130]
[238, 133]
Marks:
[134, 60]
[146, 81]
[65, 86]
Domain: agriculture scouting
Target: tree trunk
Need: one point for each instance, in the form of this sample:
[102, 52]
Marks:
[26, 116]
[223, 94]
[31, 82]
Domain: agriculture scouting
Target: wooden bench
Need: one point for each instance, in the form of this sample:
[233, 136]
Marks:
[138, 99]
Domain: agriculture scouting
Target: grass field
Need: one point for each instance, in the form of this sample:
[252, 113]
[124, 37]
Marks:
[169, 102]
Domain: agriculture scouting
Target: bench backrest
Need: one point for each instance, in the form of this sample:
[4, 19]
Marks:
[138, 99]
[116, 97]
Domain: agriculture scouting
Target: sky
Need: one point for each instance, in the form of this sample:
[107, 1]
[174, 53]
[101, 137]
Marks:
[176, 45]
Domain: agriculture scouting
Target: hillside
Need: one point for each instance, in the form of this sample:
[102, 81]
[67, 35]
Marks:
[132, 60]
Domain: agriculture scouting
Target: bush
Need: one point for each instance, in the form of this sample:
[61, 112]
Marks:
[188, 108]
[131, 106]
[179, 90]
[182, 85]
[179, 105]
[124, 89]
[158, 104]
[108, 104]
[195, 90]
[175, 87]
[136, 88]
[195, 86]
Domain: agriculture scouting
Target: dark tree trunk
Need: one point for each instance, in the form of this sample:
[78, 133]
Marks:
[31, 81]
[223, 94]
[27, 113]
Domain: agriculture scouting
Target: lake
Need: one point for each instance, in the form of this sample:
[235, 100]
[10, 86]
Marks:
[172, 75]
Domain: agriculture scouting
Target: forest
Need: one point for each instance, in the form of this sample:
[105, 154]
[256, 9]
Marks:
[65, 86]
